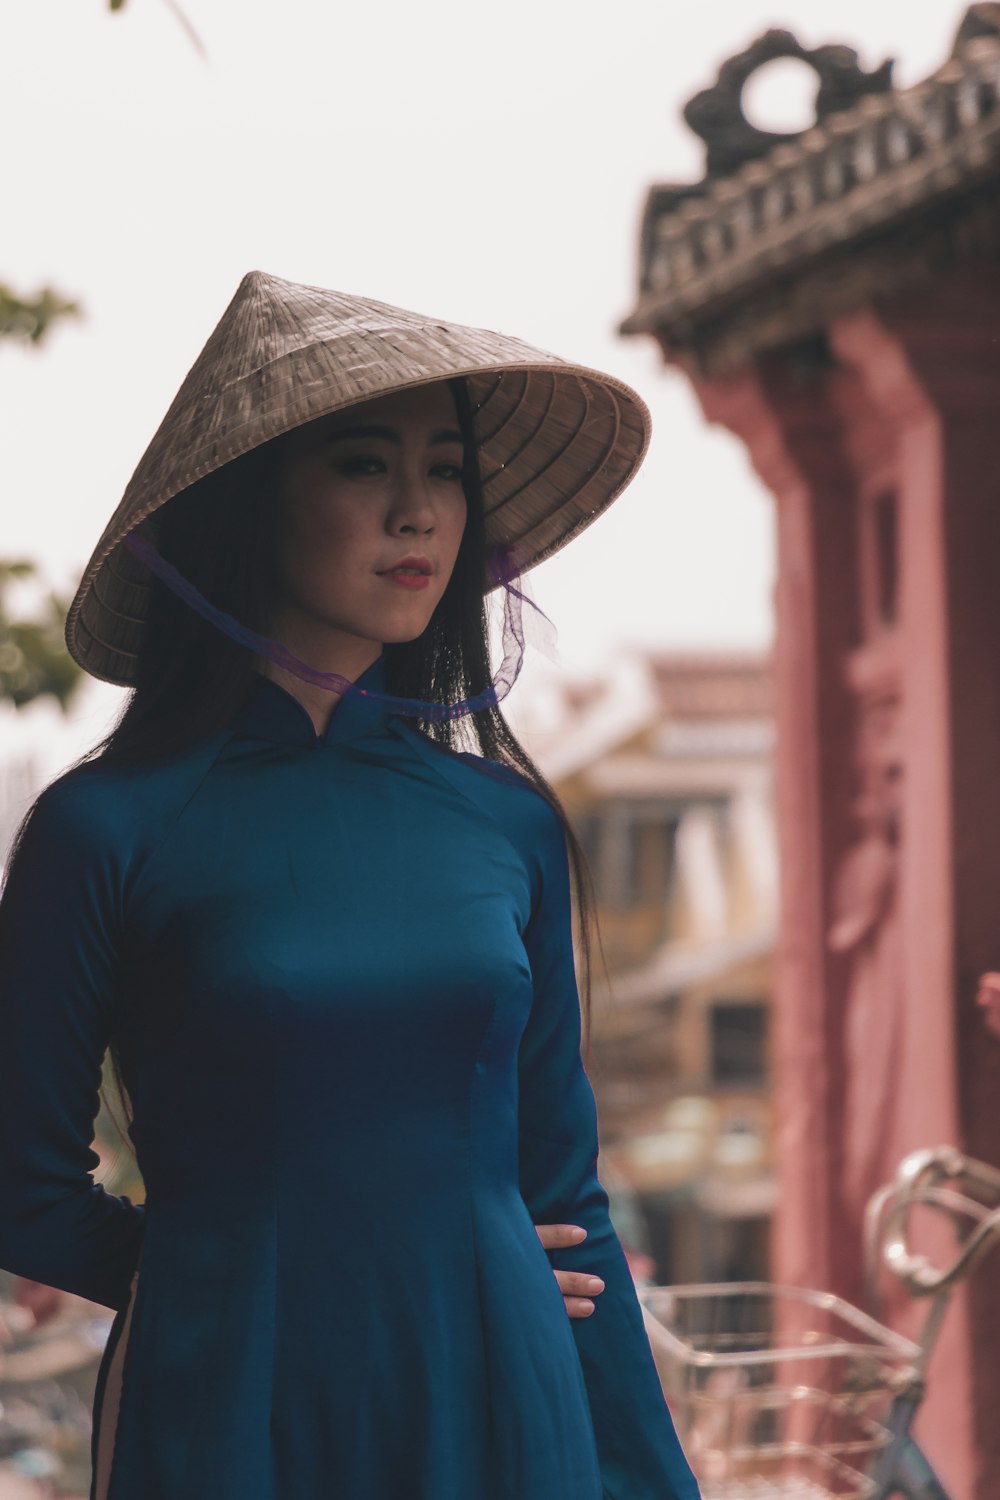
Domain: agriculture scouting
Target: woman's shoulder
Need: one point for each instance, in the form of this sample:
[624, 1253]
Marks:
[103, 805]
[511, 786]
[499, 789]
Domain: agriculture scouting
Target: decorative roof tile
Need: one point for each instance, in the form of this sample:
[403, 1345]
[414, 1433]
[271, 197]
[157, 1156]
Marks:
[894, 160]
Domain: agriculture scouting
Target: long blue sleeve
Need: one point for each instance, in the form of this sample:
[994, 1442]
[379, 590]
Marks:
[60, 931]
[640, 1455]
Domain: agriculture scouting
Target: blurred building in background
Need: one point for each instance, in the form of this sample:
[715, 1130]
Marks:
[664, 767]
[834, 297]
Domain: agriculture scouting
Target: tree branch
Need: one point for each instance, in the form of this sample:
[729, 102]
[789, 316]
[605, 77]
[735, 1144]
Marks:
[182, 19]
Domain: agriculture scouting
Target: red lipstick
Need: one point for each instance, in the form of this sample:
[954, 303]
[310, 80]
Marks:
[412, 572]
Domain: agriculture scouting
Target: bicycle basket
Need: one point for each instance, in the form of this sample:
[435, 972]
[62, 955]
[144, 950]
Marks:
[780, 1386]
[792, 1476]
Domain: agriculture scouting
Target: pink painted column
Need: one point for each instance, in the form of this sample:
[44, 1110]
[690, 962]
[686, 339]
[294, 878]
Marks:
[792, 431]
[931, 368]
[883, 460]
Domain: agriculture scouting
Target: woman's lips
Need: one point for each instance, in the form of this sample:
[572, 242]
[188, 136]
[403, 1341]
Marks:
[406, 578]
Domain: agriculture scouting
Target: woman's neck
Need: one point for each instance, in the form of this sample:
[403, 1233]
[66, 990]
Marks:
[328, 651]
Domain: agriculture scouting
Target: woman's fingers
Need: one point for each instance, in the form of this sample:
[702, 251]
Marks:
[577, 1287]
[559, 1236]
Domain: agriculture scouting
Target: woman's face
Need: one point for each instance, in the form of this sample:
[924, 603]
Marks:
[371, 512]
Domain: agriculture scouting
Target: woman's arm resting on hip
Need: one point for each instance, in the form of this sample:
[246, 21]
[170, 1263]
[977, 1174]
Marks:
[640, 1456]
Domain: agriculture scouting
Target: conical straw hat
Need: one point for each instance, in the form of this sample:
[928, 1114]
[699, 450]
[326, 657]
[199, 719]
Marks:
[556, 441]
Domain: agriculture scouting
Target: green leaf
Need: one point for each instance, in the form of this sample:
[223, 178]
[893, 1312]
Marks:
[30, 318]
[33, 655]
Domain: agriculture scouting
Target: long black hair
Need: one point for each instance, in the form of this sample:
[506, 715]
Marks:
[191, 678]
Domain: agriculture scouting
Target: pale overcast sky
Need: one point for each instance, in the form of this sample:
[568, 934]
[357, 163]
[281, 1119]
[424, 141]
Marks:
[486, 164]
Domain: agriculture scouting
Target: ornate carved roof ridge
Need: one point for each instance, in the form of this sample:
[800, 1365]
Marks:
[857, 172]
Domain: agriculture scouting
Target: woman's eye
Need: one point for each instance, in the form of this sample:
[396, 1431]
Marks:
[450, 472]
[360, 464]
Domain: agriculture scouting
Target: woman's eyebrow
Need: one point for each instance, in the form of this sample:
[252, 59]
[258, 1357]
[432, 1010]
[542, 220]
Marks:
[370, 430]
[390, 434]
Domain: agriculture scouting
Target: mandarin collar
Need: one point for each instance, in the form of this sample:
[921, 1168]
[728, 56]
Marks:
[271, 712]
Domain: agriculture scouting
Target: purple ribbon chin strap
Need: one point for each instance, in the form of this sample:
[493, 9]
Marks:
[502, 570]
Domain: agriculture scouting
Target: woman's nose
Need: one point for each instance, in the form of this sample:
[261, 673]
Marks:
[413, 509]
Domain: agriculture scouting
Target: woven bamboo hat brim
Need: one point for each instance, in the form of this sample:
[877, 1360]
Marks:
[557, 442]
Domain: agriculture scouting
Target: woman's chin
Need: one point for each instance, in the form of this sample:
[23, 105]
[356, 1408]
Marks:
[401, 636]
[402, 626]
[387, 628]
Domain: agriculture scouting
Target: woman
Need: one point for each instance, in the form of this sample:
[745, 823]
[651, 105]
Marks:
[330, 948]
